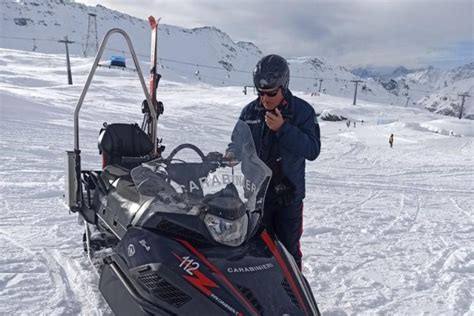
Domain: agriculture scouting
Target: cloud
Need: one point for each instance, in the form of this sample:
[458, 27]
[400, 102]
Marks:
[354, 32]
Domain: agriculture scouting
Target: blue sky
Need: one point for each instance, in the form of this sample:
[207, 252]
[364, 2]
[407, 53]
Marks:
[414, 33]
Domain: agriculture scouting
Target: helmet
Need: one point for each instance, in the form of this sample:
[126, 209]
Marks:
[271, 72]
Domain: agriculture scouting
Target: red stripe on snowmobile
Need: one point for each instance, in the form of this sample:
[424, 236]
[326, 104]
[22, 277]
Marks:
[199, 279]
[284, 267]
[219, 275]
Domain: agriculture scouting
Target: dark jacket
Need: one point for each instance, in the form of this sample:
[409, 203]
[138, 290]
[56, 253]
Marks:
[285, 151]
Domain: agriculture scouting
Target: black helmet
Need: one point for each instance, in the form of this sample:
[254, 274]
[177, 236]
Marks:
[271, 73]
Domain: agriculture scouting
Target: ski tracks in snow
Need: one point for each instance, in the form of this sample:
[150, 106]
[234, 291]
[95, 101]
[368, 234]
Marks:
[469, 215]
[405, 218]
[387, 233]
[62, 285]
[42, 268]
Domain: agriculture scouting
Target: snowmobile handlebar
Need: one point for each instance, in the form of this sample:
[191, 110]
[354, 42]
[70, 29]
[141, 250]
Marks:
[212, 160]
[186, 146]
[214, 157]
[220, 160]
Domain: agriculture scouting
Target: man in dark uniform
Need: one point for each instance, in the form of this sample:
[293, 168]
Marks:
[286, 133]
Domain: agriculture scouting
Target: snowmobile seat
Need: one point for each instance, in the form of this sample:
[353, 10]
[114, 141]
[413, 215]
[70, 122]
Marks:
[123, 140]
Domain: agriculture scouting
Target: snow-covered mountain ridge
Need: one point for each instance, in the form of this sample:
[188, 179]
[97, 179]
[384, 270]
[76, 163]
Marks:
[208, 54]
[432, 88]
[204, 54]
[446, 88]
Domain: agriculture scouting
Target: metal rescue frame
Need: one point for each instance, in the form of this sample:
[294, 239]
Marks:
[74, 192]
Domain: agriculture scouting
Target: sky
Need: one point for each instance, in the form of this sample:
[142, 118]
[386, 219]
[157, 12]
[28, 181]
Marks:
[413, 33]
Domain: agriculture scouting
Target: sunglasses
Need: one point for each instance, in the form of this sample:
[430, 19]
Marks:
[267, 93]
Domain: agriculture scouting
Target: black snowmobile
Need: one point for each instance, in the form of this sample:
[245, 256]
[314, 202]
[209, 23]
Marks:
[179, 236]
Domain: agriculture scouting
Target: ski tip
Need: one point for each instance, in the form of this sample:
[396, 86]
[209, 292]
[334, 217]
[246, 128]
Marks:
[152, 21]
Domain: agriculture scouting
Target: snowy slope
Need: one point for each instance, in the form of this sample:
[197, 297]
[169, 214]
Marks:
[436, 78]
[386, 231]
[446, 100]
[186, 55]
[430, 88]
[49, 21]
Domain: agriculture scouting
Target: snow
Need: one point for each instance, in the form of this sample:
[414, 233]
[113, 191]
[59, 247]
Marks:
[204, 54]
[447, 100]
[433, 89]
[209, 55]
[452, 127]
[386, 230]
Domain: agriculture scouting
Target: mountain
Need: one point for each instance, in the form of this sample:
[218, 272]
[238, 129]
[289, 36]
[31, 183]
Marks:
[438, 90]
[38, 25]
[381, 73]
[431, 88]
[450, 85]
[401, 71]
[363, 73]
[204, 54]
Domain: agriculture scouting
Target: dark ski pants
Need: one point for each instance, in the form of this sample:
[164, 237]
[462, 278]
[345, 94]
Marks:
[286, 222]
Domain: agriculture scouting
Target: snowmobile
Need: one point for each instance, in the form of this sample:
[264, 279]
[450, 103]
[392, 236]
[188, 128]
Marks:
[180, 234]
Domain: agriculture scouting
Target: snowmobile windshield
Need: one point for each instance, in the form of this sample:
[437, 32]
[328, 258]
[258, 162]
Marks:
[225, 193]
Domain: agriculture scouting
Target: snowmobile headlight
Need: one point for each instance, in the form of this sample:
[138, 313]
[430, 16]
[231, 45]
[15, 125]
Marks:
[227, 232]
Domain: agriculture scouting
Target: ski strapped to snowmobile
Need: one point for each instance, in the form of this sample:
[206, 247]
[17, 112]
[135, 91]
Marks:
[179, 236]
